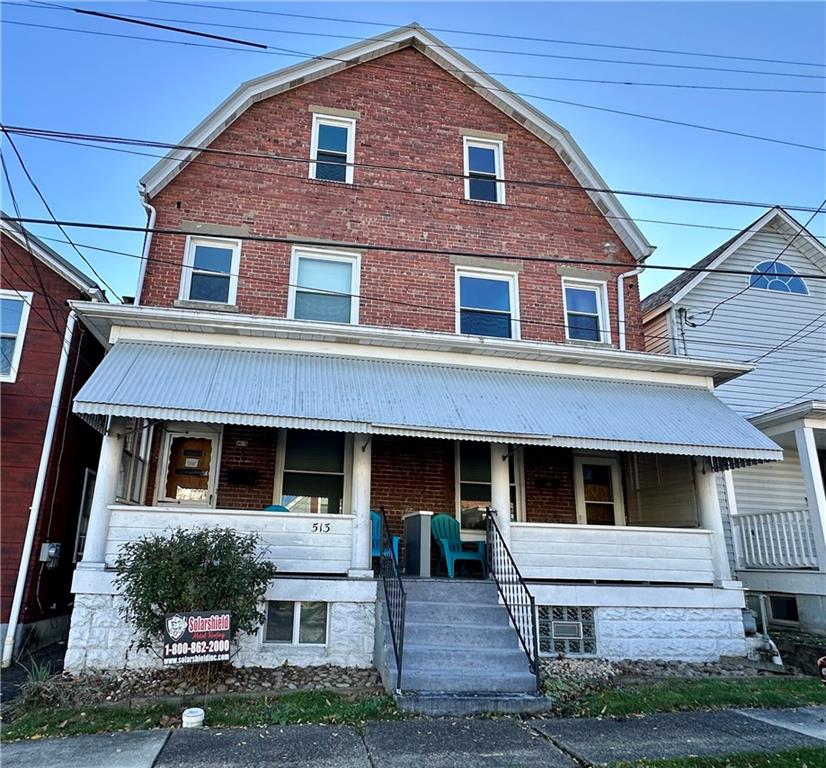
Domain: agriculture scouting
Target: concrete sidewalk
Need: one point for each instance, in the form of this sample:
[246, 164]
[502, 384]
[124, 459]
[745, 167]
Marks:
[437, 743]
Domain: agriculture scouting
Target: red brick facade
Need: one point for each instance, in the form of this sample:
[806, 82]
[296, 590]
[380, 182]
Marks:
[411, 113]
[25, 405]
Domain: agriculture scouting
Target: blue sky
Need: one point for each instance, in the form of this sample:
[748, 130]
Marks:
[76, 82]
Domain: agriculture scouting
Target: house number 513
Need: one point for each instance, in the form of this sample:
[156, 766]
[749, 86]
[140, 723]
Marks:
[321, 528]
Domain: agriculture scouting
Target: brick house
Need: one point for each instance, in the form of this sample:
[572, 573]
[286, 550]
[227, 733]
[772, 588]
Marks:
[354, 301]
[49, 455]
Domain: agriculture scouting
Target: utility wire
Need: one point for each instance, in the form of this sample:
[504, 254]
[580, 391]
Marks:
[416, 305]
[493, 89]
[138, 19]
[51, 213]
[496, 35]
[47, 133]
[798, 335]
[710, 312]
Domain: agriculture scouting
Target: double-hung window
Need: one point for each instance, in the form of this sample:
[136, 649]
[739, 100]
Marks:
[314, 471]
[586, 311]
[14, 316]
[487, 303]
[332, 148]
[324, 286]
[484, 170]
[211, 270]
[474, 484]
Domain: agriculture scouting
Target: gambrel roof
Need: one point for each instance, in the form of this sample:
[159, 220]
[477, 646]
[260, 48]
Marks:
[805, 241]
[414, 36]
[50, 258]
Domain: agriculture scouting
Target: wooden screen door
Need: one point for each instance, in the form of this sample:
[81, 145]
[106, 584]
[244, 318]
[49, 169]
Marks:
[190, 469]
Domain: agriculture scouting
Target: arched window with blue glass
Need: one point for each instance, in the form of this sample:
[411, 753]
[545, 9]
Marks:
[777, 276]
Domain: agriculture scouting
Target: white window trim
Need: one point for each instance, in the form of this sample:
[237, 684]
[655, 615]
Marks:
[601, 289]
[297, 625]
[499, 149]
[616, 482]
[512, 278]
[325, 254]
[144, 455]
[189, 260]
[89, 478]
[341, 122]
[26, 297]
[280, 461]
[519, 480]
[173, 431]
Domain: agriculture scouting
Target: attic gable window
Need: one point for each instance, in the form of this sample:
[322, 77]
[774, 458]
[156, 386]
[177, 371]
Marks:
[777, 276]
[210, 271]
[484, 170]
[332, 148]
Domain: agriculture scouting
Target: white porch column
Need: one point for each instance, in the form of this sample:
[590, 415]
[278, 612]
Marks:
[360, 506]
[500, 488]
[815, 496]
[106, 485]
[711, 518]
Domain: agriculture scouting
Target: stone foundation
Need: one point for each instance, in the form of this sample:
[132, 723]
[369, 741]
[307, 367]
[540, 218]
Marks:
[100, 639]
[672, 634]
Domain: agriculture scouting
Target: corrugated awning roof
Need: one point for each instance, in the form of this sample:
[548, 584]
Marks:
[374, 396]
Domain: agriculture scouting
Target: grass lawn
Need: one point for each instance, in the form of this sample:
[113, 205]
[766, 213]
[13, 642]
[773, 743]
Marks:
[683, 695]
[293, 708]
[809, 757]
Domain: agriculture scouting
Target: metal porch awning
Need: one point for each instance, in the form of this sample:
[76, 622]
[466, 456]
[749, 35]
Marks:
[378, 396]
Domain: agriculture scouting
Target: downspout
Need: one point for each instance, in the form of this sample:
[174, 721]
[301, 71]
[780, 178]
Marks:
[621, 301]
[40, 483]
[151, 213]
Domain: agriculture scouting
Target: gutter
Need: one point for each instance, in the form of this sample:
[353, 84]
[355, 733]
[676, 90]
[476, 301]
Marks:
[40, 483]
[621, 302]
[151, 214]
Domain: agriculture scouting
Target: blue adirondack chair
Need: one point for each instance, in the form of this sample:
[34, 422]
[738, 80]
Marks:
[445, 529]
[375, 549]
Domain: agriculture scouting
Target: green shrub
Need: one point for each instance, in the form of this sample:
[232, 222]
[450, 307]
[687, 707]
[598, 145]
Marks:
[201, 569]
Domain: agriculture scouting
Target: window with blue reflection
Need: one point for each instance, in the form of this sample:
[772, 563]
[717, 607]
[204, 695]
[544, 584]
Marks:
[777, 276]
[211, 273]
[582, 313]
[331, 155]
[324, 290]
[483, 170]
[485, 306]
[11, 315]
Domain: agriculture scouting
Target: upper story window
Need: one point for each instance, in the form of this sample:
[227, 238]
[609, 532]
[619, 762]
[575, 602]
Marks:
[210, 270]
[14, 316]
[586, 311]
[324, 286]
[487, 303]
[777, 276]
[484, 170]
[332, 148]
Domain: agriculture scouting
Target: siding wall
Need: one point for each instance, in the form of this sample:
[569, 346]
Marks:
[658, 334]
[761, 319]
[776, 486]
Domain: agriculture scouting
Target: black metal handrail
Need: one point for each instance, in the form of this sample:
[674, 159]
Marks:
[514, 592]
[394, 594]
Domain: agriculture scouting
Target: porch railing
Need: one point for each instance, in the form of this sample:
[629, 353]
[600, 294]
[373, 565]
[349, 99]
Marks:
[395, 596]
[768, 539]
[514, 593]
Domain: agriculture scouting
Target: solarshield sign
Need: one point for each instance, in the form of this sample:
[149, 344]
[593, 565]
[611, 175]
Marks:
[196, 638]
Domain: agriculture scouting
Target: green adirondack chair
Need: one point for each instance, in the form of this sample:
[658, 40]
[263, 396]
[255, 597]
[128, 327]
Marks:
[445, 529]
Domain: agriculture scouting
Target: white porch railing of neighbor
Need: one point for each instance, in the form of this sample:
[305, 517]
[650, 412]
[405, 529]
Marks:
[612, 553]
[295, 542]
[774, 540]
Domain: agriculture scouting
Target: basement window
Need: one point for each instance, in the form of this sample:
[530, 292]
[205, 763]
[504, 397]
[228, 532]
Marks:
[332, 149]
[296, 623]
[566, 629]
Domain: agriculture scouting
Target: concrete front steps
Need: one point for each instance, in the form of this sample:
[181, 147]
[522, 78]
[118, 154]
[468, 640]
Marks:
[461, 654]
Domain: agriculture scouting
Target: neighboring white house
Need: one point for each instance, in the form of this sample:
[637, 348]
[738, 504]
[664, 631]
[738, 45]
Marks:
[774, 317]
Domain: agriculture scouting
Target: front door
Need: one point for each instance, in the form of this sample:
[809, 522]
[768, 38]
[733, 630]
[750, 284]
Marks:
[598, 486]
[190, 468]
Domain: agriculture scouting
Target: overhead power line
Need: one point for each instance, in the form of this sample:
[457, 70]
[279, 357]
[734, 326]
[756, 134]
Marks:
[144, 19]
[567, 102]
[496, 35]
[48, 133]
[409, 249]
